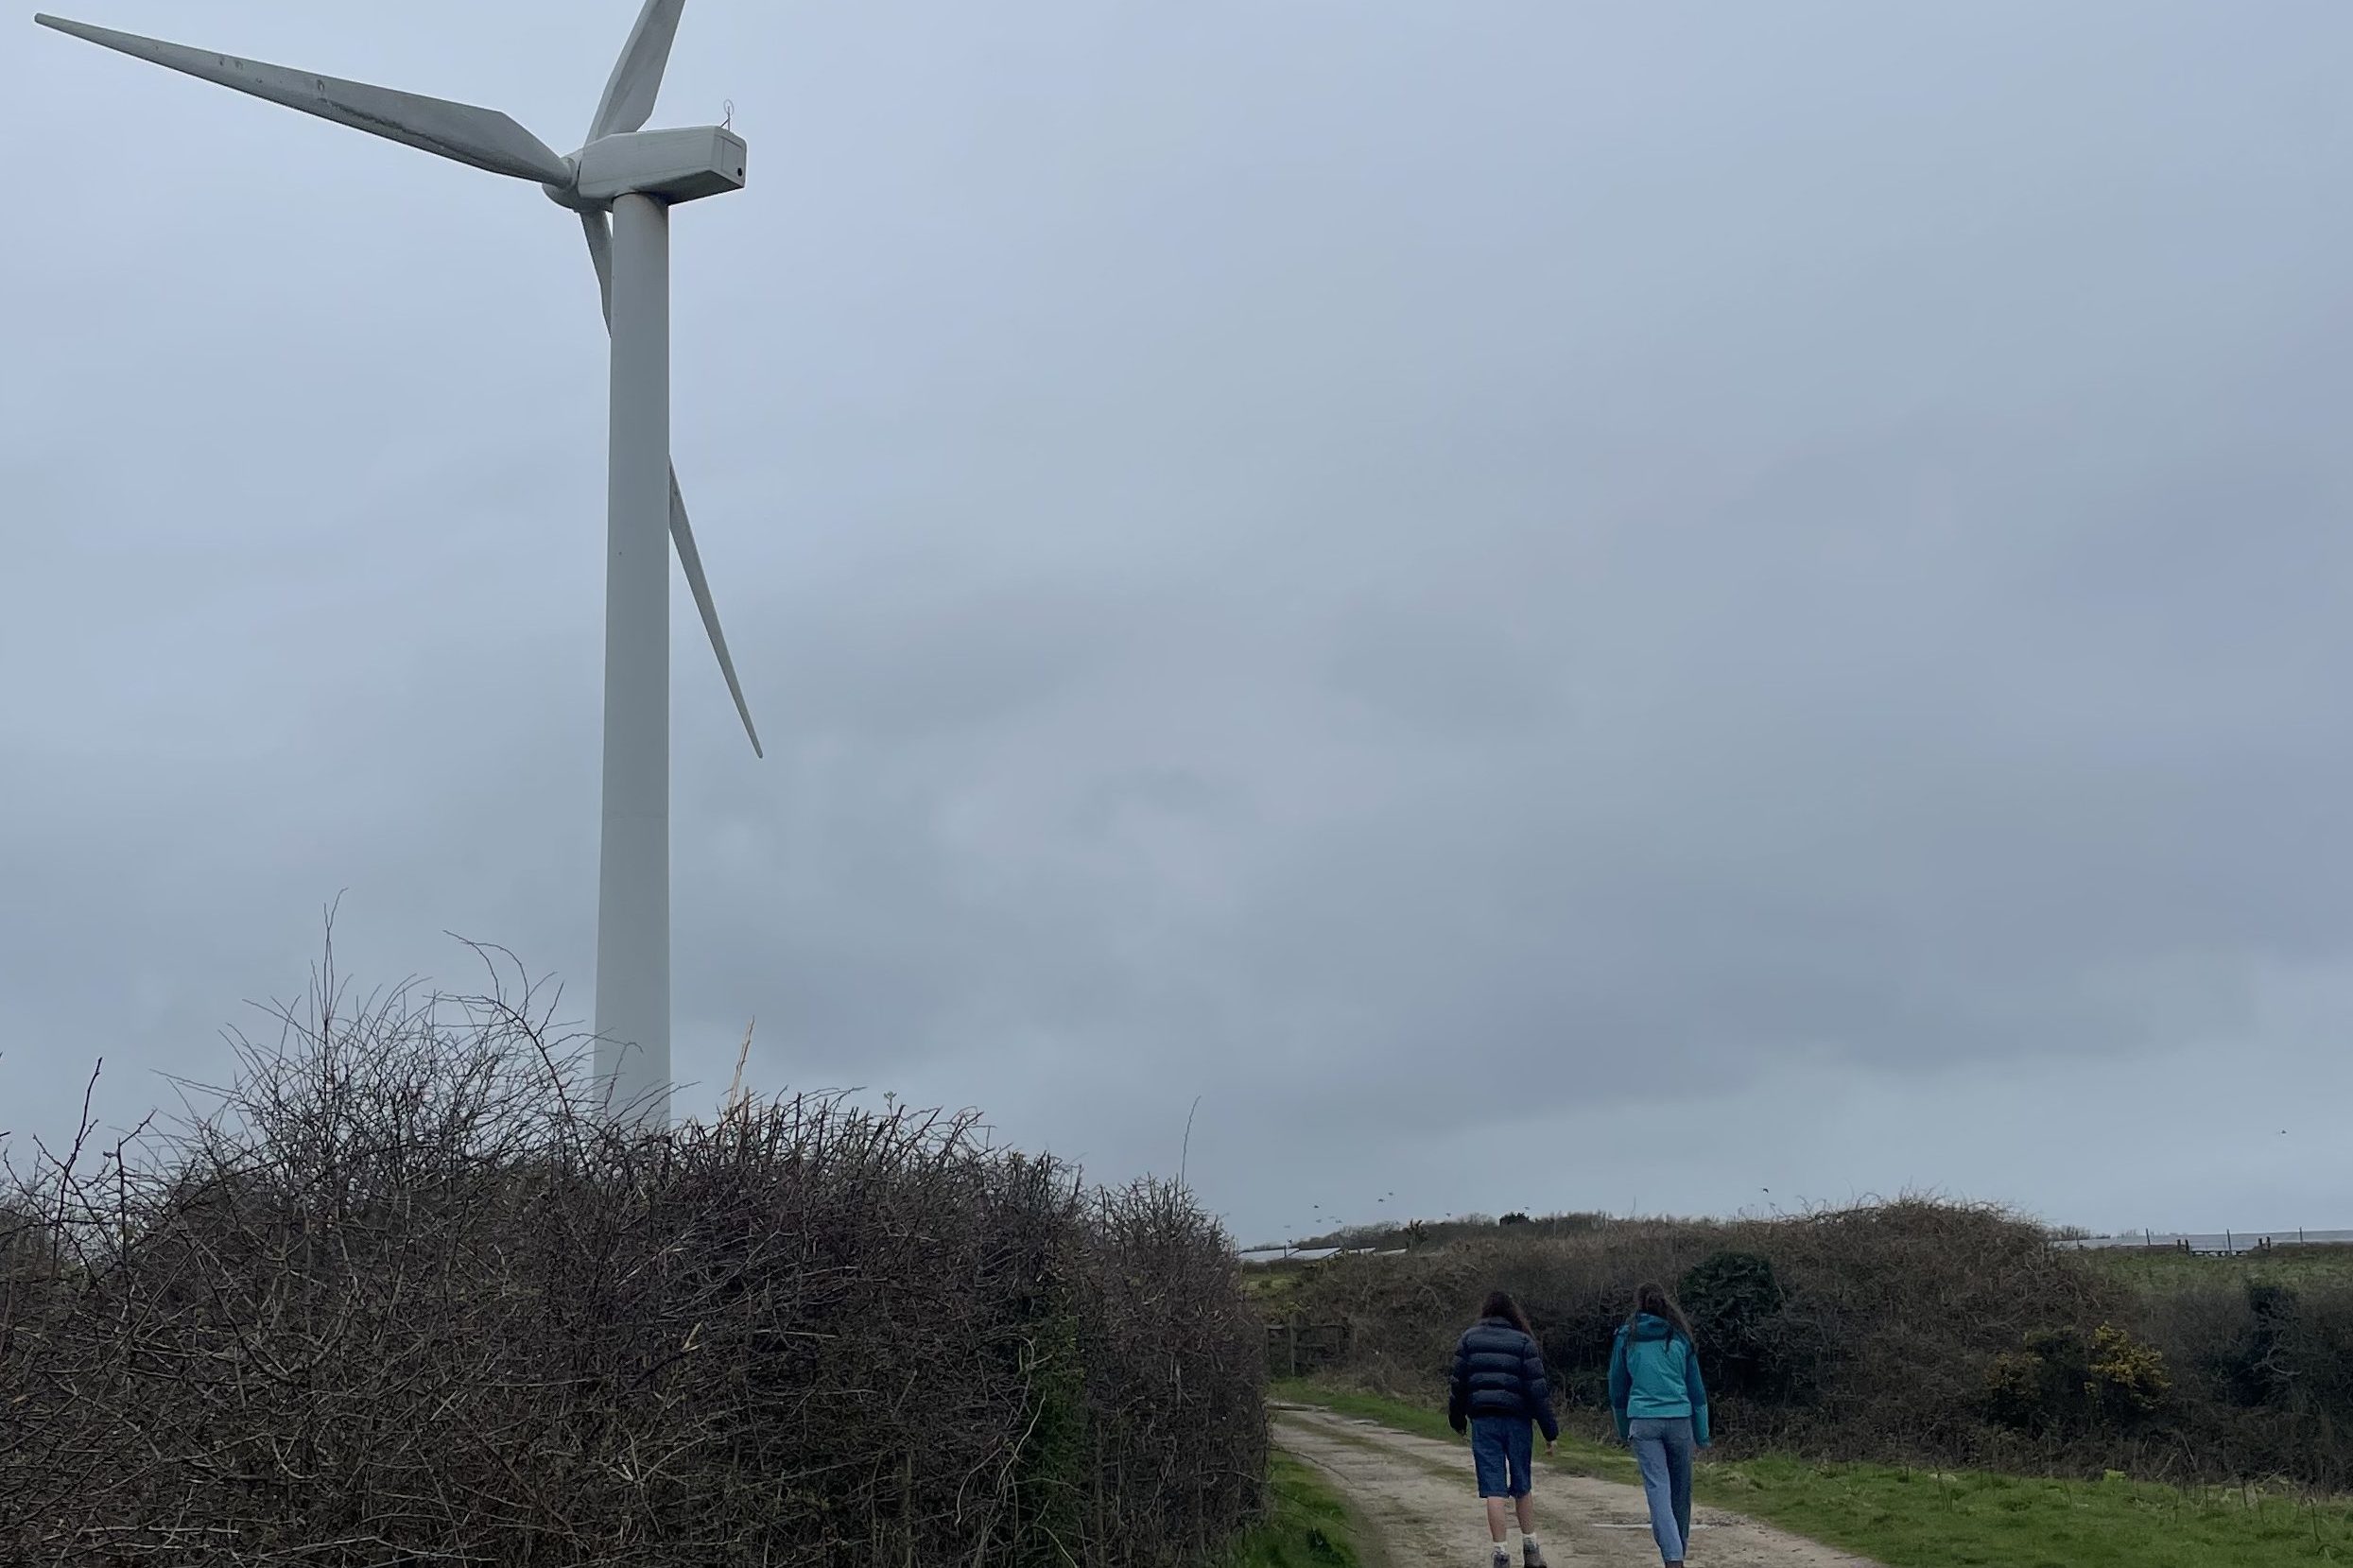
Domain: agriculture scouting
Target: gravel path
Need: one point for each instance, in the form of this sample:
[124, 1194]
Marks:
[1417, 1496]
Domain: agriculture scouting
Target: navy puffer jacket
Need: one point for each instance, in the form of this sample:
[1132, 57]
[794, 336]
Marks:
[1499, 1371]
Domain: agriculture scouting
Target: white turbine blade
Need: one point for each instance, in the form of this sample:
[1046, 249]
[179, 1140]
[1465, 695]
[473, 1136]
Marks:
[683, 535]
[482, 137]
[593, 224]
[597, 225]
[627, 103]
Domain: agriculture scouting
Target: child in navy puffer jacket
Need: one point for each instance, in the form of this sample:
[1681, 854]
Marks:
[1498, 1387]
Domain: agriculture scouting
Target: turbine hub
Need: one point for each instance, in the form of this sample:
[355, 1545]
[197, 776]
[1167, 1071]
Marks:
[567, 194]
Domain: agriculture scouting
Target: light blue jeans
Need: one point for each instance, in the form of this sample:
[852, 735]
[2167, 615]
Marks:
[1663, 1450]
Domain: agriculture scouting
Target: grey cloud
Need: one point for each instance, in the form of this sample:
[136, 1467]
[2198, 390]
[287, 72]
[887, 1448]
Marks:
[1443, 581]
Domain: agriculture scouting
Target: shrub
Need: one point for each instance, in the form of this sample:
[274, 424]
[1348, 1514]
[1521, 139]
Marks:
[1733, 1301]
[2257, 1366]
[397, 1297]
[2061, 1384]
[2124, 1378]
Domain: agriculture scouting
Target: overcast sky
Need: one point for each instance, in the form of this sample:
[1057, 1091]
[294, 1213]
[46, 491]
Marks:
[1546, 606]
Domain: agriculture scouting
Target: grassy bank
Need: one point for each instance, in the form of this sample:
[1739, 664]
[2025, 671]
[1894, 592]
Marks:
[1306, 1524]
[1921, 1519]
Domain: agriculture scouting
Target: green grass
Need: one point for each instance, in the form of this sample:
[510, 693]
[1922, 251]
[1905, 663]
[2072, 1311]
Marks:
[1306, 1524]
[1920, 1518]
[1268, 1284]
[2160, 1273]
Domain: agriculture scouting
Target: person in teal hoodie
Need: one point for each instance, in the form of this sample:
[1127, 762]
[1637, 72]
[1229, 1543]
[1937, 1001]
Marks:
[1661, 1406]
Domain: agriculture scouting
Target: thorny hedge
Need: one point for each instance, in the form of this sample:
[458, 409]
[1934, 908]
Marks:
[398, 1295]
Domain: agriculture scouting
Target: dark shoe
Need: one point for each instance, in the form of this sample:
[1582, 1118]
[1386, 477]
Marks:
[1532, 1555]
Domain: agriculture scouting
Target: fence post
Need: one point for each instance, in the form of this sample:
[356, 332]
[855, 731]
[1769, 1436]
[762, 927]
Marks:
[1291, 1336]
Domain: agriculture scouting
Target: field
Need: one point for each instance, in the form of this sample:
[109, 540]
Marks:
[2161, 1273]
[1907, 1518]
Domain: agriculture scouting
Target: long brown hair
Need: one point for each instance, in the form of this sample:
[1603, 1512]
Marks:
[1651, 1298]
[1500, 1304]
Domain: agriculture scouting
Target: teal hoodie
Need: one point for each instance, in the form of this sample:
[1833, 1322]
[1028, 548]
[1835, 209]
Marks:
[1655, 1375]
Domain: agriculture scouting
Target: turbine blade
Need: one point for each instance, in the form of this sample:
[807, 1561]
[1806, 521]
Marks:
[636, 82]
[597, 225]
[593, 225]
[683, 535]
[482, 137]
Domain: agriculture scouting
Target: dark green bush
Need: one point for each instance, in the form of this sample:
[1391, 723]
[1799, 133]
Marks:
[2257, 1366]
[1733, 1301]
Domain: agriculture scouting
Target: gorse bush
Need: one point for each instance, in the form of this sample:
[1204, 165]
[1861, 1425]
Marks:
[396, 1296]
[2125, 1380]
[2060, 1384]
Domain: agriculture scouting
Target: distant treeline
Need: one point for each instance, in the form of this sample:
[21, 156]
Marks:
[1391, 1235]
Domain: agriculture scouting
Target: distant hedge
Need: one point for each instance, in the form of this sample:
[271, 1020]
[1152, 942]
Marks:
[397, 1298]
[1913, 1331]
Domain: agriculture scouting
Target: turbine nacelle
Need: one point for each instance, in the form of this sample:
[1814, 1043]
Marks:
[674, 165]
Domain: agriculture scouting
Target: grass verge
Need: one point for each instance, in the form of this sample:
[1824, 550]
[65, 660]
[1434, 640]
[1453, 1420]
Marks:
[1922, 1519]
[1308, 1525]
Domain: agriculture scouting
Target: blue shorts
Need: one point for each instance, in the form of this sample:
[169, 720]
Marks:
[1504, 1449]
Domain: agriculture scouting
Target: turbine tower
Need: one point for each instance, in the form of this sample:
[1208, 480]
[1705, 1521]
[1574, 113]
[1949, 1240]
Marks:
[623, 182]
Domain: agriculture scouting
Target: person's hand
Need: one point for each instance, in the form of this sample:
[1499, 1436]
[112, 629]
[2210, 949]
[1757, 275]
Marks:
[1549, 1444]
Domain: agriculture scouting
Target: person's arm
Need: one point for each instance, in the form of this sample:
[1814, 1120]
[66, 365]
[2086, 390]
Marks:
[1459, 1386]
[1621, 1383]
[1695, 1390]
[1539, 1387]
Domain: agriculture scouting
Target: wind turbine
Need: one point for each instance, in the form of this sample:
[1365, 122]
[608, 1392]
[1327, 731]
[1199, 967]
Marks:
[622, 182]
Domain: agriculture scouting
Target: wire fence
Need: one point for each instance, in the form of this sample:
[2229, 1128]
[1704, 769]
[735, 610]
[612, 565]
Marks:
[2225, 1243]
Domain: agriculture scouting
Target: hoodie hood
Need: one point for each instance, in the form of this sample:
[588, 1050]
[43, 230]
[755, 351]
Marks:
[1650, 1326]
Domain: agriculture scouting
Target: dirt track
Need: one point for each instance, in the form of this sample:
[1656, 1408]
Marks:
[1417, 1496]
